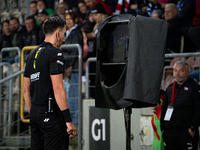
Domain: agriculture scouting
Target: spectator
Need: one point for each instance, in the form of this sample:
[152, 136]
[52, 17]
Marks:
[41, 5]
[186, 12]
[5, 39]
[195, 75]
[157, 14]
[163, 3]
[72, 4]
[73, 36]
[30, 37]
[83, 10]
[16, 36]
[174, 29]
[158, 143]
[153, 5]
[61, 9]
[182, 99]
[89, 20]
[91, 3]
[139, 5]
[194, 32]
[33, 7]
[42, 16]
[99, 14]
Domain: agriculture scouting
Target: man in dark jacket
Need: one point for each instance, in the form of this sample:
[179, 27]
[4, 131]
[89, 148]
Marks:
[31, 36]
[181, 111]
[17, 32]
[5, 39]
[16, 36]
[174, 29]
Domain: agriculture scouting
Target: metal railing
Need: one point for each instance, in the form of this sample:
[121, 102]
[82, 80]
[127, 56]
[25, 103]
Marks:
[26, 48]
[87, 74]
[10, 49]
[8, 97]
[63, 47]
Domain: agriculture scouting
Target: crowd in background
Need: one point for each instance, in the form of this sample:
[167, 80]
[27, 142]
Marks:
[82, 19]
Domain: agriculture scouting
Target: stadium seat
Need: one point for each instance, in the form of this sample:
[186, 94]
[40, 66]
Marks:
[194, 62]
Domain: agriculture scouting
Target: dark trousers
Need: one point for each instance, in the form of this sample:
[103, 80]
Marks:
[48, 130]
[180, 140]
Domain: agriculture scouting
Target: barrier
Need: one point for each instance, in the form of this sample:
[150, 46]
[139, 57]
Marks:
[92, 59]
[10, 49]
[9, 72]
[63, 47]
[26, 48]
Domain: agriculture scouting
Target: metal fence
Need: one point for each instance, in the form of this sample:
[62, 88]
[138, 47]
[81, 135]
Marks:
[7, 121]
[88, 86]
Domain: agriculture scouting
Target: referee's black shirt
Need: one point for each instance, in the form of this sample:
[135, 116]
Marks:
[42, 62]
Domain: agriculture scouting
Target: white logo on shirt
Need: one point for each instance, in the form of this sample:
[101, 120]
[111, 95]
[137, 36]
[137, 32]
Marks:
[60, 62]
[59, 54]
[46, 119]
[35, 76]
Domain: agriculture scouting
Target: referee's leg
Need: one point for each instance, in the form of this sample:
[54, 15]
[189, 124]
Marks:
[55, 134]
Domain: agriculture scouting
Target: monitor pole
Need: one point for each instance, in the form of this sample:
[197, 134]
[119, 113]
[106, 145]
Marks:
[128, 112]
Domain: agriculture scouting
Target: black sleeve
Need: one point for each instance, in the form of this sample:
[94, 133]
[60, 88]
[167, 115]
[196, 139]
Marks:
[196, 97]
[57, 63]
[163, 111]
[26, 73]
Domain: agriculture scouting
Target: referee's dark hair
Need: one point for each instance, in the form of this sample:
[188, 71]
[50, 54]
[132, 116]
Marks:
[52, 24]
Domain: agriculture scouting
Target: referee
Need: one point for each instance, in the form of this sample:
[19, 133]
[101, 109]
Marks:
[45, 97]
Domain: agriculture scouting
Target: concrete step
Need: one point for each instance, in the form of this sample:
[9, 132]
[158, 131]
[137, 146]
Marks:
[17, 141]
[12, 148]
[23, 142]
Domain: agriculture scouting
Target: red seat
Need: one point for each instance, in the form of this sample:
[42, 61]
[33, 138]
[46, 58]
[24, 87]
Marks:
[194, 62]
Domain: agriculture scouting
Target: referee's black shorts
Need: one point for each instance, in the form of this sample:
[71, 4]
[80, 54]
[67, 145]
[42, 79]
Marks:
[48, 130]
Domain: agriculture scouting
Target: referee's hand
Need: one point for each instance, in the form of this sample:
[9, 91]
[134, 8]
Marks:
[71, 129]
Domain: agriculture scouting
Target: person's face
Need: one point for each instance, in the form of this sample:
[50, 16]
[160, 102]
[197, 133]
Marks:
[29, 24]
[69, 21]
[180, 73]
[40, 5]
[82, 7]
[89, 3]
[33, 8]
[91, 17]
[154, 1]
[163, 5]
[41, 18]
[97, 17]
[61, 9]
[6, 27]
[170, 13]
[155, 16]
[14, 25]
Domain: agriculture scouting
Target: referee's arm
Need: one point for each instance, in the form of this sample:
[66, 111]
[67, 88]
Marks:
[27, 93]
[61, 99]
